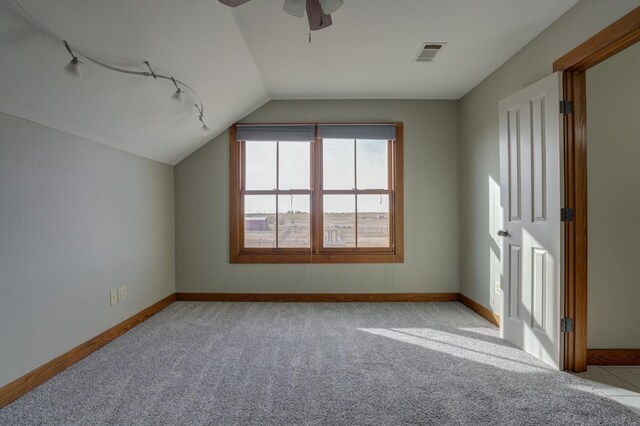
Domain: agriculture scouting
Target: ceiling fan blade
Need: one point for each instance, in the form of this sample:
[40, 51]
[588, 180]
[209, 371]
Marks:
[233, 3]
[317, 18]
[294, 7]
[330, 6]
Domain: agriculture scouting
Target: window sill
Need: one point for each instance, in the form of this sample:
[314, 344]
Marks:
[245, 258]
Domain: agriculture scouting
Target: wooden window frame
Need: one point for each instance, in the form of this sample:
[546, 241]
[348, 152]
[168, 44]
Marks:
[611, 40]
[317, 253]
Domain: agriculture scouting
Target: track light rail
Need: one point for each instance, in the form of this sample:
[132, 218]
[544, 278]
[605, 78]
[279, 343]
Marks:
[73, 67]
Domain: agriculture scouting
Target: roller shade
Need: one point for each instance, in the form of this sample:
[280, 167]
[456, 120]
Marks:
[357, 131]
[276, 132]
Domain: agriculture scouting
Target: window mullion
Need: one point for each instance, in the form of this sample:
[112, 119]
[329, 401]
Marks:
[356, 191]
[356, 217]
[277, 188]
[355, 164]
[277, 222]
[355, 184]
[316, 202]
[243, 166]
[392, 198]
[390, 169]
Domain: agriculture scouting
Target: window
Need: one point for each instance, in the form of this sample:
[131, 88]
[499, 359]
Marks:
[326, 193]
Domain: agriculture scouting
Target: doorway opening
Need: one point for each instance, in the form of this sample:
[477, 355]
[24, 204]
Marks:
[618, 36]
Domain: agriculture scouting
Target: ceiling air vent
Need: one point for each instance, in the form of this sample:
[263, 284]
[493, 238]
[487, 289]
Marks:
[428, 51]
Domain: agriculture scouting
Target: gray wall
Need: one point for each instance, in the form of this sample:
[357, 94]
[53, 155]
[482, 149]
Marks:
[613, 152]
[431, 208]
[478, 126]
[76, 219]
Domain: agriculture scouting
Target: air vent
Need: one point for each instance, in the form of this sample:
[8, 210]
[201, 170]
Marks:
[428, 51]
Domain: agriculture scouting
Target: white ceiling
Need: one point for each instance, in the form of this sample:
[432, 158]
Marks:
[239, 59]
[369, 50]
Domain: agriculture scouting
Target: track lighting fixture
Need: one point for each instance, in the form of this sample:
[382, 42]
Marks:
[73, 67]
[205, 129]
[177, 96]
[153, 74]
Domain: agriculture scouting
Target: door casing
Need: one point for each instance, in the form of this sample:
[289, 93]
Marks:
[611, 40]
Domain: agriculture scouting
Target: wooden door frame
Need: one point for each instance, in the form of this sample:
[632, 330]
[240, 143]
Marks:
[611, 40]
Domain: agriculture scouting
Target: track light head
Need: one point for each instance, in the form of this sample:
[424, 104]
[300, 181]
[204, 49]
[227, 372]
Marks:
[73, 67]
[204, 128]
[177, 95]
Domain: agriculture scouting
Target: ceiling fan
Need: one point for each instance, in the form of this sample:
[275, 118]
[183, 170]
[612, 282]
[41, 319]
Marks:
[318, 11]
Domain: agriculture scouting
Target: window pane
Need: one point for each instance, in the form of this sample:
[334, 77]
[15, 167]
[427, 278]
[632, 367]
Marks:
[260, 221]
[338, 164]
[373, 220]
[372, 166]
[261, 165]
[294, 228]
[339, 220]
[295, 170]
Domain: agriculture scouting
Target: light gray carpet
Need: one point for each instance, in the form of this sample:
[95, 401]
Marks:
[268, 363]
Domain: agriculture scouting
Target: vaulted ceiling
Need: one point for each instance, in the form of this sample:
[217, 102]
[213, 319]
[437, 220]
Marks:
[238, 59]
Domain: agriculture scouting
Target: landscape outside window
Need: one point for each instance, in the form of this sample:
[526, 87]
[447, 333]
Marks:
[275, 166]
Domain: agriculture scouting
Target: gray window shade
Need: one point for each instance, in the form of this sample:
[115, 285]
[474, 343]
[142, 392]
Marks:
[279, 132]
[357, 131]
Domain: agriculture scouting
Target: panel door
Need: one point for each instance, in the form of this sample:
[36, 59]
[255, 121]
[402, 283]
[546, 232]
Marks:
[530, 191]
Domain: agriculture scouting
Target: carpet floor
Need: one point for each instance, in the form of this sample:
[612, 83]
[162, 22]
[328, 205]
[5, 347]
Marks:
[289, 363]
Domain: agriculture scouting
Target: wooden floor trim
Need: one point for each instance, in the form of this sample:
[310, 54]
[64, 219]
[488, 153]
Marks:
[613, 356]
[29, 381]
[487, 314]
[318, 297]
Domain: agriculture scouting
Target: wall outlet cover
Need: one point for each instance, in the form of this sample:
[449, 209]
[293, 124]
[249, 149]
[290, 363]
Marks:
[113, 296]
[122, 293]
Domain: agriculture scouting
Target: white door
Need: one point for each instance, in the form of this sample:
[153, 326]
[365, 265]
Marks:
[530, 191]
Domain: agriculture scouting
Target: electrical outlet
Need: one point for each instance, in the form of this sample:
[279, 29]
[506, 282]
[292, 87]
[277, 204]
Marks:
[114, 296]
[122, 293]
